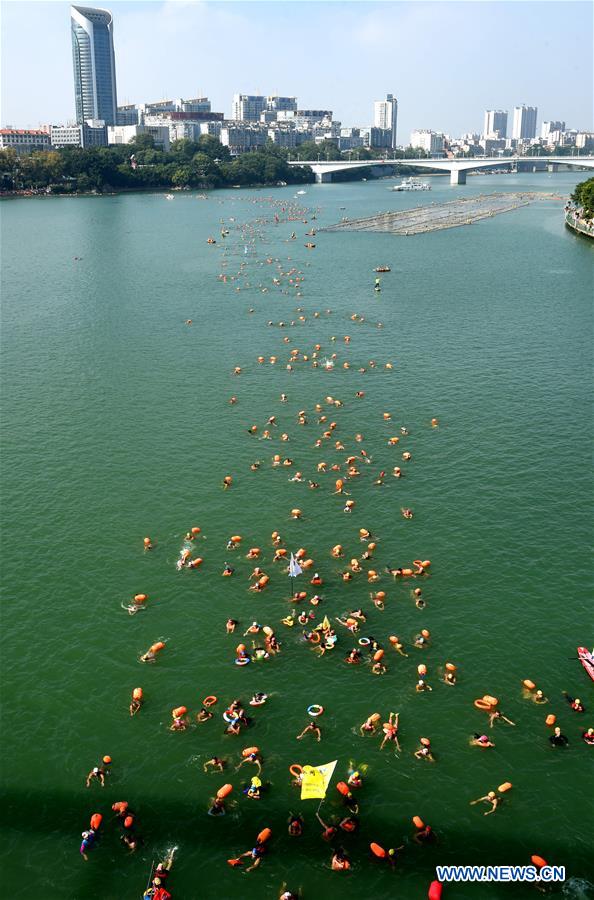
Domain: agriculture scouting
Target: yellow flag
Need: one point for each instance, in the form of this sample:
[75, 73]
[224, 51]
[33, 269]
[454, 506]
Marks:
[315, 780]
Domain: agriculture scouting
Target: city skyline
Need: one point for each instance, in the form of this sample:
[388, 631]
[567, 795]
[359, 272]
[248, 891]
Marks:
[139, 27]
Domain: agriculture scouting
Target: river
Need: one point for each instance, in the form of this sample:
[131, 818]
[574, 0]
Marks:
[117, 425]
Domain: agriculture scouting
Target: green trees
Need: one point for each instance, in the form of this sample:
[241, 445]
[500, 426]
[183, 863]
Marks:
[584, 196]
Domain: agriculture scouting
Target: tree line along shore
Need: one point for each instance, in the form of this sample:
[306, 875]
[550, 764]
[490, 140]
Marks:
[140, 165]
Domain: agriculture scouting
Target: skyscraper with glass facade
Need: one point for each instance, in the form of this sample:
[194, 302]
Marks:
[94, 64]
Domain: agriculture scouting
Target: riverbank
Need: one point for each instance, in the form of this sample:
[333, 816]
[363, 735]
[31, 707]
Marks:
[579, 224]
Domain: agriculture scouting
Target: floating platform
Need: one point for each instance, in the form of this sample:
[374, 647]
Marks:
[436, 216]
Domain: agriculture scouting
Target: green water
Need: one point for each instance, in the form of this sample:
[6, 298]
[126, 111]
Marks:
[117, 425]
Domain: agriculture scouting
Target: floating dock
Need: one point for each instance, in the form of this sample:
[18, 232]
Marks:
[436, 216]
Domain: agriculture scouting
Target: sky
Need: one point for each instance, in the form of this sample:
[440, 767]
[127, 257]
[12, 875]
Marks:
[446, 62]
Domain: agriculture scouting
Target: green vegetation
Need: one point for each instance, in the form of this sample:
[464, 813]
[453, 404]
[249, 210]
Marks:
[201, 164]
[197, 164]
[584, 196]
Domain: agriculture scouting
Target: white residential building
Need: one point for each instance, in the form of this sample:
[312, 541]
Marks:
[524, 124]
[242, 136]
[123, 134]
[247, 107]
[427, 140]
[385, 117]
[547, 127]
[495, 124]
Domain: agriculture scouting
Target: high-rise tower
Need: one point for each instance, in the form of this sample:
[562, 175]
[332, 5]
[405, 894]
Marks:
[385, 116]
[93, 60]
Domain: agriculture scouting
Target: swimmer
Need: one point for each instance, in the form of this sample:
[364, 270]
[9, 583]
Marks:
[231, 625]
[379, 668]
[496, 715]
[491, 798]
[421, 640]
[252, 758]
[424, 835]
[340, 861]
[329, 831]
[369, 726]
[557, 739]
[215, 763]
[255, 854]
[258, 699]
[217, 807]
[97, 773]
[135, 704]
[398, 647]
[378, 598]
[204, 715]
[407, 513]
[228, 570]
[295, 824]
[449, 677]
[423, 751]
[576, 704]
[311, 728]
[355, 780]
[422, 685]
[539, 697]
[254, 627]
[481, 740]
[131, 840]
[390, 729]
[178, 724]
[88, 842]
[588, 737]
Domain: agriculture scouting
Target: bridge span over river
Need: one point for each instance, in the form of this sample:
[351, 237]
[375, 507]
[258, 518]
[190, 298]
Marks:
[457, 168]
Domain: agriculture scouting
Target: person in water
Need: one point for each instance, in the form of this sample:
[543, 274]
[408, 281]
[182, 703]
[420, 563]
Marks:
[491, 798]
[498, 716]
[97, 773]
[215, 763]
[89, 839]
[217, 807]
[557, 739]
[255, 854]
[311, 728]
[252, 758]
[295, 824]
[576, 704]
[231, 625]
[481, 740]
[340, 861]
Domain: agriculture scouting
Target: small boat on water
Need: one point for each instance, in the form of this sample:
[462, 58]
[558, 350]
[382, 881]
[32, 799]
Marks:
[587, 660]
[411, 184]
[169, 197]
[310, 246]
[302, 192]
[382, 269]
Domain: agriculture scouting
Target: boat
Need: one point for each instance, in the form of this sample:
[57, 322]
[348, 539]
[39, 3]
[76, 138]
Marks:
[301, 192]
[587, 660]
[382, 269]
[169, 197]
[411, 184]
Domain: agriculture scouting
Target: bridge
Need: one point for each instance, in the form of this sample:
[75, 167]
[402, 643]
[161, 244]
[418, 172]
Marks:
[457, 168]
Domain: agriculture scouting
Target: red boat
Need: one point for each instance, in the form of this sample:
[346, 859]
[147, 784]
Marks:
[587, 660]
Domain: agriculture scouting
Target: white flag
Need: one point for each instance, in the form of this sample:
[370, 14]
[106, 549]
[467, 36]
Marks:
[294, 568]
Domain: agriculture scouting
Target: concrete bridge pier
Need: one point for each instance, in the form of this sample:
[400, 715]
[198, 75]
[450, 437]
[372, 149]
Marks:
[458, 176]
[323, 177]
